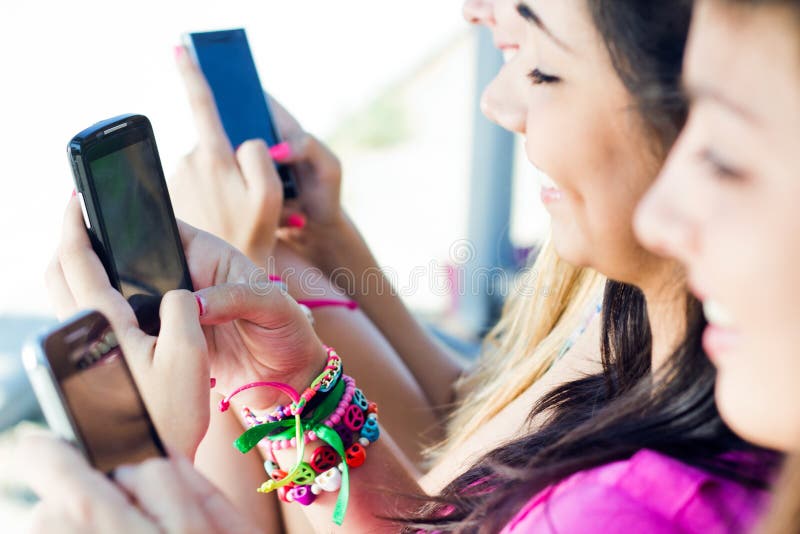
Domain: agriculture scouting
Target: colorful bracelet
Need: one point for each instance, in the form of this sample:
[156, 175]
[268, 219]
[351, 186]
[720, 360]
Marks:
[344, 420]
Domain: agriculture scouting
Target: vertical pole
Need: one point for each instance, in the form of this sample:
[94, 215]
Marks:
[489, 201]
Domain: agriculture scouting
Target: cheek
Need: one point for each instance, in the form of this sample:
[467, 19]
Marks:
[757, 395]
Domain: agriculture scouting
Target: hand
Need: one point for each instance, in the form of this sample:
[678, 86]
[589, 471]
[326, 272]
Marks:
[255, 331]
[171, 371]
[318, 171]
[170, 496]
[234, 195]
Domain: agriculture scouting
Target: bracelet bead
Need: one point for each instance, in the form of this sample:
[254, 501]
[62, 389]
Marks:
[360, 400]
[355, 455]
[323, 458]
[305, 475]
[371, 430]
[330, 480]
[302, 495]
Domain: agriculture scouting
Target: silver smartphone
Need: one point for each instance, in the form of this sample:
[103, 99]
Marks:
[88, 395]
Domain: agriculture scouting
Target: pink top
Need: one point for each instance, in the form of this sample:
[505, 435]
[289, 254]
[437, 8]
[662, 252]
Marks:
[649, 493]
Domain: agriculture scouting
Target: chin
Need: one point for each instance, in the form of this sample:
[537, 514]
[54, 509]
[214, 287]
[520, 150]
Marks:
[569, 247]
[746, 419]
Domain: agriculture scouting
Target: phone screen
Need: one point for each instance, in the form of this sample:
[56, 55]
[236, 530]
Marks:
[101, 396]
[137, 220]
[228, 66]
[227, 63]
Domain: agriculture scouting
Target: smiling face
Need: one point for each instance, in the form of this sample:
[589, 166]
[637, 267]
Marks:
[727, 206]
[583, 131]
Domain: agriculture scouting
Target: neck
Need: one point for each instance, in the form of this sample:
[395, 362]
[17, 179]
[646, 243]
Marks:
[666, 308]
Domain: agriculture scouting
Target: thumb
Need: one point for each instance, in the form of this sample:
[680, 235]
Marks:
[180, 334]
[265, 305]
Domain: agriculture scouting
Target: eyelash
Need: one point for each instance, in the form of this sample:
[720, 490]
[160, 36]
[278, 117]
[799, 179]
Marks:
[720, 169]
[538, 77]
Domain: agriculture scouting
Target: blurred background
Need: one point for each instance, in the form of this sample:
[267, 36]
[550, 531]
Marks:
[393, 87]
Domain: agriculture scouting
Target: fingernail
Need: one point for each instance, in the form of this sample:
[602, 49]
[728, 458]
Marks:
[178, 51]
[201, 306]
[280, 151]
[213, 382]
[74, 193]
[296, 220]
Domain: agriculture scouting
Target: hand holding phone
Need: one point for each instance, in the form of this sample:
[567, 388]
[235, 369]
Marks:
[171, 371]
[123, 193]
[227, 63]
[236, 196]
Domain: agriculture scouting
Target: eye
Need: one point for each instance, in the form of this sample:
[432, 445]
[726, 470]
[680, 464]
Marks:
[719, 167]
[538, 77]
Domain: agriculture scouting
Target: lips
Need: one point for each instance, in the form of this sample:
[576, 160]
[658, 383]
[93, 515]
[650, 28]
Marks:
[721, 336]
[508, 50]
[550, 192]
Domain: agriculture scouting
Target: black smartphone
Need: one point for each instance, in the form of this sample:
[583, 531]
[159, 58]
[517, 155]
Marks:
[124, 197]
[88, 395]
[227, 63]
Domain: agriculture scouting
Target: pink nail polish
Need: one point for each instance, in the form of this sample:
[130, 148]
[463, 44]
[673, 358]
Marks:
[201, 305]
[281, 151]
[212, 382]
[295, 220]
[178, 51]
[74, 193]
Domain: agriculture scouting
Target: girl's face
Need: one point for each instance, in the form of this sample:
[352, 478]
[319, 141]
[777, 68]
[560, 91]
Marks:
[726, 205]
[582, 131]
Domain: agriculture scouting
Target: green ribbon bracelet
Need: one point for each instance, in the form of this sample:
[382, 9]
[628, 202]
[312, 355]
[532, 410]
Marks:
[287, 428]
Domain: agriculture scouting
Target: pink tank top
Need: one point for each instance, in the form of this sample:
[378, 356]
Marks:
[648, 493]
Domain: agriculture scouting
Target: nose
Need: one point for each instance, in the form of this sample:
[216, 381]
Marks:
[479, 12]
[503, 102]
[661, 222]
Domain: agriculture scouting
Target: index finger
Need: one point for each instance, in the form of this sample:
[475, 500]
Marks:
[210, 133]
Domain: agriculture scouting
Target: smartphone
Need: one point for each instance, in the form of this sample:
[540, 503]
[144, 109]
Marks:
[88, 395]
[128, 213]
[227, 63]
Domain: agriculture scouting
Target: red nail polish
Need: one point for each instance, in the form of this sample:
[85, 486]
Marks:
[296, 220]
[212, 382]
[201, 305]
[280, 152]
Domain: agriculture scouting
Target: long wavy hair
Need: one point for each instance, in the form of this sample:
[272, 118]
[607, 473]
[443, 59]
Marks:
[537, 321]
[628, 406]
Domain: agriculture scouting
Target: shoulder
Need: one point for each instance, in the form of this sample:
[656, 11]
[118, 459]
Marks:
[649, 492]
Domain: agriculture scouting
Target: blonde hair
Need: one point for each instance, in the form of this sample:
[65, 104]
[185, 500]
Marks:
[536, 323]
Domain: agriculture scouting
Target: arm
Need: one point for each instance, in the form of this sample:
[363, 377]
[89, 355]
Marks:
[236, 475]
[405, 408]
[340, 252]
[238, 197]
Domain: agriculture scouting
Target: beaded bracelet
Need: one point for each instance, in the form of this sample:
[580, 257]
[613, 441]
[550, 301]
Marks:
[335, 421]
[323, 383]
[327, 469]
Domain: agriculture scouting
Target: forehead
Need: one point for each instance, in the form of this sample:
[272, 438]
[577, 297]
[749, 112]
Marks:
[568, 20]
[748, 54]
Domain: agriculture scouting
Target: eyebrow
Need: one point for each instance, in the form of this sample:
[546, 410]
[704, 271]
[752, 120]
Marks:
[530, 15]
[701, 92]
